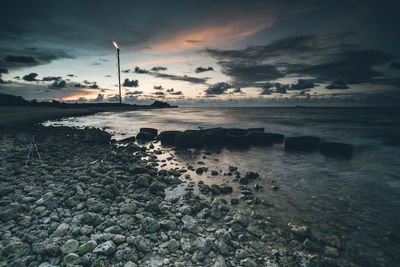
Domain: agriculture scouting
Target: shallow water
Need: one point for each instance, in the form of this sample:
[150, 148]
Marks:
[353, 204]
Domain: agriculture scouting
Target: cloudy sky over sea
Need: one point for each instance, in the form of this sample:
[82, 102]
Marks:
[203, 52]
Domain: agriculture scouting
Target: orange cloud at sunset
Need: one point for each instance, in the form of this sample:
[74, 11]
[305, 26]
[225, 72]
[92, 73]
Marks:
[232, 31]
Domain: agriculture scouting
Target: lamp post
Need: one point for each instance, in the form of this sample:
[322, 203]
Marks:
[119, 72]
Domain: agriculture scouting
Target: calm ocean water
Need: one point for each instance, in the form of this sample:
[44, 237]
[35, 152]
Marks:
[353, 204]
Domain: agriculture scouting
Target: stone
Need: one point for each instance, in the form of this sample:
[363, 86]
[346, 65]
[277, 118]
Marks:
[128, 208]
[106, 248]
[168, 225]
[200, 170]
[254, 230]
[234, 201]
[186, 245]
[239, 218]
[45, 248]
[215, 190]
[190, 224]
[251, 175]
[87, 247]
[203, 244]
[185, 209]
[331, 251]
[70, 246]
[157, 187]
[241, 254]
[141, 243]
[173, 245]
[225, 189]
[219, 262]
[11, 212]
[92, 218]
[86, 230]
[126, 254]
[223, 249]
[143, 180]
[223, 235]
[71, 259]
[61, 230]
[150, 225]
[248, 263]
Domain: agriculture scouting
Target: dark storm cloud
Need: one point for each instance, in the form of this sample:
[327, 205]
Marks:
[202, 69]
[126, 71]
[326, 58]
[170, 90]
[71, 75]
[218, 89]
[158, 68]
[31, 77]
[20, 59]
[302, 84]
[158, 93]
[281, 88]
[130, 83]
[266, 89]
[51, 78]
[3, 71]
[245, 75]
[337, 85]
[93, 86]
[184, 78]
[58, 85]
[159, 87]
[395, 65]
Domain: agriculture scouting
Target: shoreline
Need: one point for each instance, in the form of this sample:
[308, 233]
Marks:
[20, 116]
[99, 204]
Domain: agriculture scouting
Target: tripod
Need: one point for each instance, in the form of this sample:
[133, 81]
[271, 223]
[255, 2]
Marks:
[32, 149]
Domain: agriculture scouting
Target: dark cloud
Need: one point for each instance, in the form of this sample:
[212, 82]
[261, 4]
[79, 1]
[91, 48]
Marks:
[395, 66]
[158, 93]
[158, 68]
[20, 59]
[96, 64]
[93, 86]
[31, 77]
[218, 89]
[134, 93]
[171, 76]
[132, 83]
[170, 90]
[266, 89]
[159, 87]
[246, 75]
[326, 58]
[302, 84]
[3, 71]
[51, 78]
[202, 69]
[58, 85]
[126, 71]
[281, 88]
[71, 75]
[140, 71]
[337, 85]
[108, 76]
[79, 85]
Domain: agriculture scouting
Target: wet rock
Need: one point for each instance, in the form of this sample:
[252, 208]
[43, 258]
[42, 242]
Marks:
[71, 259]
[219, 262]
[254, 230]
[204, 189]
[61, 230]
[87, 247]
[203, 244]
[188, 139]
[200, 170]
[248, 263]
[234, 201]
[300, 231]
[168, 225]
[70, 246]
[214, 173]
[157, 187]
[128, 208]
[93, 135]
[251, 175]
[224, 249]
[141, 243]
[240, 219]
[190, 224]
[215, 190]
[92, 218]
[223, 235]
[11, 212]
[45, 248]
[186, 209]
[150, 225]
[244, 180]
[143, 180]
[106, 248]
[126, 255]
[225, 189]
[173, 245]
[186, 245]
[145, 136]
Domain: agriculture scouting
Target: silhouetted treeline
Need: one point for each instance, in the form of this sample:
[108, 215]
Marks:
[12, 100]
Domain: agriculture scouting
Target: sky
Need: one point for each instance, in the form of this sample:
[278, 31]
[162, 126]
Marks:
[205, 53]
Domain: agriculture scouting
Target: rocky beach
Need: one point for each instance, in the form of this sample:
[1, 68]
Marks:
[99, 203]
